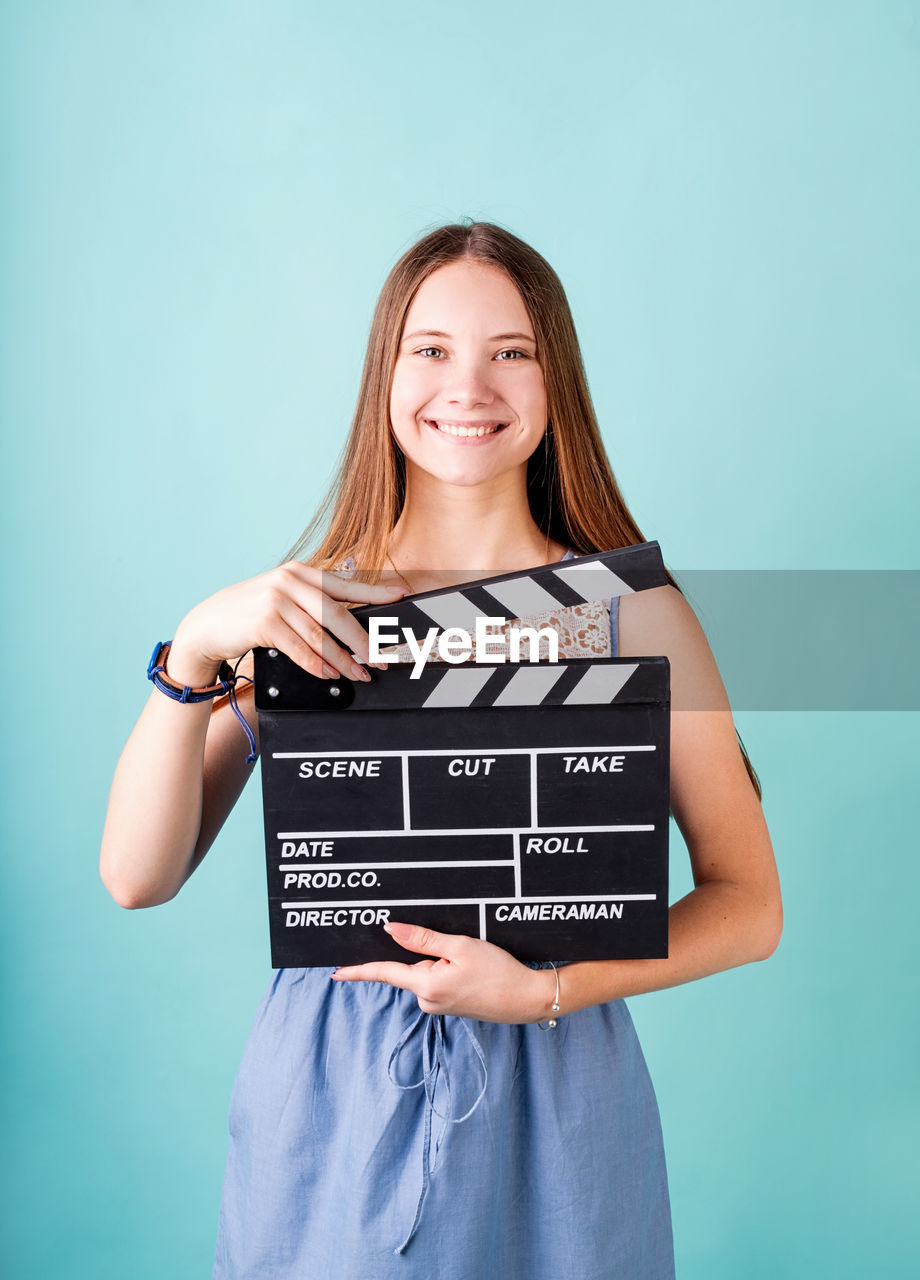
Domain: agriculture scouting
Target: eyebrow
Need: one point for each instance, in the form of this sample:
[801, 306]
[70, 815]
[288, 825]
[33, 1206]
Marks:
[496, 337]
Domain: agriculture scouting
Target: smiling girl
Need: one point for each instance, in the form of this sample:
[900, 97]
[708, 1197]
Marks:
[474, 451]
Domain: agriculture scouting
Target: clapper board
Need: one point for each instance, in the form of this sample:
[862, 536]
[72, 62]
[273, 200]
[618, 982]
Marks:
[524, 803]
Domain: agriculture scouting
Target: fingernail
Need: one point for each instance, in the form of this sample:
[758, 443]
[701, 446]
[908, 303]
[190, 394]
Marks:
[329, 672]
[359, 673]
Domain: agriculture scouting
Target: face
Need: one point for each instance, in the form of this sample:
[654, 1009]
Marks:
[468, 403]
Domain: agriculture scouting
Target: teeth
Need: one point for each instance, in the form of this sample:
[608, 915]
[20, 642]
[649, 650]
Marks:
[451, 429]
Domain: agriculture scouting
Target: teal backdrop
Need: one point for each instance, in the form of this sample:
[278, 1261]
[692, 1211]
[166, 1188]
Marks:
[201, 201]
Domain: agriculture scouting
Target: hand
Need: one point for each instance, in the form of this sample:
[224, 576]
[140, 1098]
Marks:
[470, 979]
[289, 608]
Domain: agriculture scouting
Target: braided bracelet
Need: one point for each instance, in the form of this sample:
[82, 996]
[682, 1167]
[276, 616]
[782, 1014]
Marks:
[156, 671]
[227, 680]
[549, 1023]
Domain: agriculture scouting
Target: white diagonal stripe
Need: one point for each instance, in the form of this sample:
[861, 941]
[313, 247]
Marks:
[458, 688]
[522, 597]
[528, 687]
[593, 581]
[601, 683]
[452, 610]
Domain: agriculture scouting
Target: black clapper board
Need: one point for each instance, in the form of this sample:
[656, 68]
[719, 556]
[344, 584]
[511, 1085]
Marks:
[522, 803]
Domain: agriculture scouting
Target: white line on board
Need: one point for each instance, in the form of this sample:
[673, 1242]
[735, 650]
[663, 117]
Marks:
[461, 831]
[407, 819]
[470, 902]
[389, 866]
[579, 750]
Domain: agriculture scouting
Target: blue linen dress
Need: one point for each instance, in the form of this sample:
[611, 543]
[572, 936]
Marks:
[357, 1123]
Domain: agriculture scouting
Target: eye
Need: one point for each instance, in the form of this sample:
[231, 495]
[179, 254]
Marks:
[429, 351]
[511, 354]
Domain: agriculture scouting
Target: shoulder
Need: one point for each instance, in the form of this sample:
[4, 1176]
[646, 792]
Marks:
[661, 622]
[712, 799]
[658, 612]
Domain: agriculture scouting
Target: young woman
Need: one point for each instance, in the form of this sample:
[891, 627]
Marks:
[474, 451]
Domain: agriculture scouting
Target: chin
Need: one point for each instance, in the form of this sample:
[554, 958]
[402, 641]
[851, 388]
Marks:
[462, 479]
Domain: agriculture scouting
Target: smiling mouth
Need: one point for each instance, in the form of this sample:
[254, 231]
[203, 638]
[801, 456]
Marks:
[466, 429]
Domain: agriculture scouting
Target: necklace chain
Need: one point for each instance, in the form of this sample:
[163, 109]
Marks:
[399, 575]
[402, 577]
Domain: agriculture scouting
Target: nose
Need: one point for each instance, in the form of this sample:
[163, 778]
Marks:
[469, 385]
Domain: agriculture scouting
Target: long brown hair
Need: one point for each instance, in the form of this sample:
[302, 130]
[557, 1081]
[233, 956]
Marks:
[574, 496]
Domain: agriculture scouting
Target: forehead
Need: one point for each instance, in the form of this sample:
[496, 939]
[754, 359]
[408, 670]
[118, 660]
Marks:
[470, 296]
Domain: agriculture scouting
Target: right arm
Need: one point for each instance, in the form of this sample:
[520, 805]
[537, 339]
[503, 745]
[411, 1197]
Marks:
[183, 766]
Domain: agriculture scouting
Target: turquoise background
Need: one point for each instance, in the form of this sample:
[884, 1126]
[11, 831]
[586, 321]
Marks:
[200, 204]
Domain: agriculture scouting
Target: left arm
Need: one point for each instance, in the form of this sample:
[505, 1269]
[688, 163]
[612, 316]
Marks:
[732, 916]
[734, 913]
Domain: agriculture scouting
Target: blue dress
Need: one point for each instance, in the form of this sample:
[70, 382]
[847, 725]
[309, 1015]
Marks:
[369, 1141]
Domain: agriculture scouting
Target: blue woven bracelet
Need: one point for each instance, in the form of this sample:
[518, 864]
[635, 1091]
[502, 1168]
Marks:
[157, 673]
[226, 683]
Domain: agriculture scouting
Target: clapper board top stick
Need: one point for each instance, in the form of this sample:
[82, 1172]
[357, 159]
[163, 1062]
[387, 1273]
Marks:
[582, 580]
[522, 803]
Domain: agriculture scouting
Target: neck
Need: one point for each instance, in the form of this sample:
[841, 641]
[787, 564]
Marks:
[458, 532]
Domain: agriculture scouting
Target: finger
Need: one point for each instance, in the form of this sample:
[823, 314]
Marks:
[389, 972]
[293, 645]
[427, 942]
[346, 588]
[339, 660]
[324, 615]
[360, 592]
[343, 624]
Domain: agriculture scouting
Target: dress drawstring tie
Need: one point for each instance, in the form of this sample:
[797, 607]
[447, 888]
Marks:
[434, 1066]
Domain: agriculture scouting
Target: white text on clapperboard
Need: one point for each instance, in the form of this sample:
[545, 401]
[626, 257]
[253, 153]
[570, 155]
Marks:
[422, 781]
